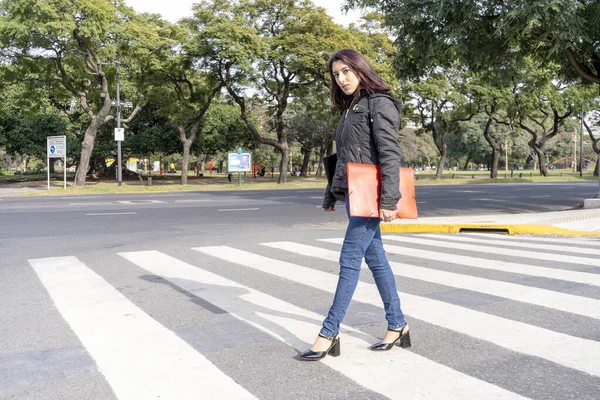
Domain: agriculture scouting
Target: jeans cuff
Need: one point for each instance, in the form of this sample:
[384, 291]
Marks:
[396, 328]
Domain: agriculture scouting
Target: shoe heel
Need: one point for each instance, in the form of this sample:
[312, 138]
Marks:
[335, 350]
[405, 340]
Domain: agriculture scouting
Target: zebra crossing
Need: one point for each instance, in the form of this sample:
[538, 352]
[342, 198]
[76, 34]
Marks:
[491, 318]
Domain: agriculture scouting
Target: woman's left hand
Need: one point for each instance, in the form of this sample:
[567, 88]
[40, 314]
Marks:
[387, 215]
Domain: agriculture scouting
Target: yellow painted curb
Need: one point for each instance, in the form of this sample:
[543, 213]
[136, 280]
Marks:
[511, 229]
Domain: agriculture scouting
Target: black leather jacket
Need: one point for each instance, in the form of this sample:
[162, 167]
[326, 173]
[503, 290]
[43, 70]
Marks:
[356, 142]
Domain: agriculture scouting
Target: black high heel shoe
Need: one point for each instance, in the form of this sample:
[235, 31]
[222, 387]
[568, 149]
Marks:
[404, 339]
[333, 350]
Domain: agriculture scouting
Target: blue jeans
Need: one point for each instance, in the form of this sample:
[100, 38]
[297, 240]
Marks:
[363, 240]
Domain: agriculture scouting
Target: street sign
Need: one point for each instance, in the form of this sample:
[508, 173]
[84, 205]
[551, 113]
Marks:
[120, 134]
[124, 104]
[57, 146]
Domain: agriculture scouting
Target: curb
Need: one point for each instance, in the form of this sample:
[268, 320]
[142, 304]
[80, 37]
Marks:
[511, 229]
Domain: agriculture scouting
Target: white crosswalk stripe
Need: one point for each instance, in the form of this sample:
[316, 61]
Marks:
[505, 266]
[502, 242]
[141, 358]
[542, 297]
[287, 323]
[577, 353]
[119, 335]
[495, 250]
[571, 241]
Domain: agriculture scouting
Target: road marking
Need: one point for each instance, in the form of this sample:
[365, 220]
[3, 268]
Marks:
[78, 197]
[115, 213]
[526, 294]
[489, 240]
[577, 353]
[297, 327]
[141, 201]
[539, 197]
[494, 250]
[240, 209]
[192, 201]
[571, 240]
[140, 358]
[103, 203]
[494, 265]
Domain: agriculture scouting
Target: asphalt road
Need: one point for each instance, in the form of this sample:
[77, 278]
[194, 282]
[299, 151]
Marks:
[92, 223]
[172, 212]
[213, 294]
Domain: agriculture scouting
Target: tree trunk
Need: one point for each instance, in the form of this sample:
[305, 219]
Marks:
[187, 143]
[8, 162]
[467, 163]
[542, 160]
[493, 144]
[202, 164]
[494, 162]
[443, 149]
[283, 165]
[305, 161]
[87, 146]
[19, 159]
[320, 167]
[185, 161]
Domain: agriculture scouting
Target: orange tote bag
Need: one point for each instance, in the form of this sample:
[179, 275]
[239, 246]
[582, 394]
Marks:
[364, 190]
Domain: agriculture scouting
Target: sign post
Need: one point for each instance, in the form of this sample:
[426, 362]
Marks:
[57, 148]
[239, 162]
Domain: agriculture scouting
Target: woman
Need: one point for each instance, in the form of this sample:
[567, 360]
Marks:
[367, 133]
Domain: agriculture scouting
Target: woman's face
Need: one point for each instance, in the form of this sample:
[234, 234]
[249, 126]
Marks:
[345, 77]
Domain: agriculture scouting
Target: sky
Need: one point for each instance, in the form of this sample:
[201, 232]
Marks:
[173, 10]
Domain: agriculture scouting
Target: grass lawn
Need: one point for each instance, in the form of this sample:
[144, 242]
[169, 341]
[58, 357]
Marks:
[170, 182]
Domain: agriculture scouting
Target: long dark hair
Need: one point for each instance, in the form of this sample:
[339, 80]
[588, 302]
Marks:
[368, 78]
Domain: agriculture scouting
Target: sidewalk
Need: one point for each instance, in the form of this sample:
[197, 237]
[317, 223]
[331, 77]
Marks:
[583, 222]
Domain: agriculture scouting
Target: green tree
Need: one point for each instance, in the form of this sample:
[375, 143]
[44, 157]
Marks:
[268, 49]
[26, 136]
[223, 130]
[311, 122]
[467, 145]
[489, 34]
[182, 87]
[71, 47]
[442, 101]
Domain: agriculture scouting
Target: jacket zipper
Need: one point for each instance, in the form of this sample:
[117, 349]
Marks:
[360, 155]
[348, 109]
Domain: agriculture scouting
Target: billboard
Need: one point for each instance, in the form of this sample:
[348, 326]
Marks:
[239, 162]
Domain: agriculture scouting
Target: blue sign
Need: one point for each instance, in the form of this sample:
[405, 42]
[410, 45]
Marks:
[239, 150]
[52, 149]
